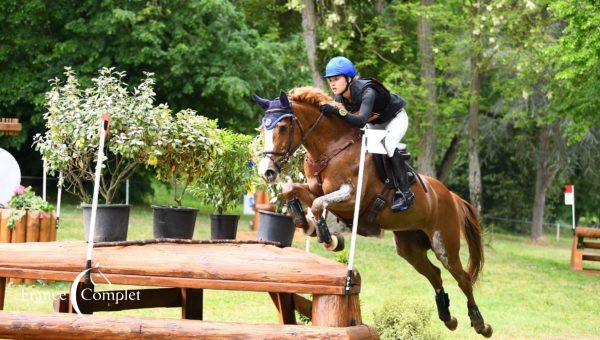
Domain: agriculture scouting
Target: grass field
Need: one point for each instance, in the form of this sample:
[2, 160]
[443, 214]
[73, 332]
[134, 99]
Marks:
[526, 291]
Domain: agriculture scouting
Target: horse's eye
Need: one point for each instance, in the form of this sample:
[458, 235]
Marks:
[282, 128]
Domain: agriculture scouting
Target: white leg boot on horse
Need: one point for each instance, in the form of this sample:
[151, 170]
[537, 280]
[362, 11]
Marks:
[331, 242]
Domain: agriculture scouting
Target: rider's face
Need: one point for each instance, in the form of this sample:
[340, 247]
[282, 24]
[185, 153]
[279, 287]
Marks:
[337, 84]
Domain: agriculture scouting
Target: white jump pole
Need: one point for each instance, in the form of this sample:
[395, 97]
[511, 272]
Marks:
[103, 132]
[573, 208]
[58, 198]
[127, 192]
[361, 169]
[45, 172]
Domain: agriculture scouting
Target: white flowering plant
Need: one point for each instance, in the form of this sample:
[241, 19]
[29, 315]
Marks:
[186, 152]
[70, 144]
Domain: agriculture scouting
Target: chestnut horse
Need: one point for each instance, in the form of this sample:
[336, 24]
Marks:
[331, 166]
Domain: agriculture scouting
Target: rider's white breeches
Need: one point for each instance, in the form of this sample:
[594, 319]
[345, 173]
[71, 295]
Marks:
[396, 129]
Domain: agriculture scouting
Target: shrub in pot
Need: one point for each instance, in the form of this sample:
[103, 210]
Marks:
[70, 144]
[190, 144]
[277, 226]
[225, 183]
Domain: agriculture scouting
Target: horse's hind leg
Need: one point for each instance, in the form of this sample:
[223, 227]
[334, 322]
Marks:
[413, 246]
[446, 247]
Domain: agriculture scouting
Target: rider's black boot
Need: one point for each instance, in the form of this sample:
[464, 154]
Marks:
[403, 198]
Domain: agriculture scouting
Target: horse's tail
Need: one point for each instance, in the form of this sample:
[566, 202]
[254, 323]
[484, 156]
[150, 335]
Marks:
[473, 235]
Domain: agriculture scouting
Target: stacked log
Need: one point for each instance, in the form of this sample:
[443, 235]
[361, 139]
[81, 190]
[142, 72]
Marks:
[18, 226]
[10, 126]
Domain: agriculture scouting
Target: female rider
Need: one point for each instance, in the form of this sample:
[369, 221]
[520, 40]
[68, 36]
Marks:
[370, 103]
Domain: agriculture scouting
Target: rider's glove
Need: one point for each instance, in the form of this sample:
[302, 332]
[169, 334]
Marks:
[329, 109]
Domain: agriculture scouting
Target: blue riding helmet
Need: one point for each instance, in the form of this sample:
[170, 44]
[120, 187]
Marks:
[339, 66]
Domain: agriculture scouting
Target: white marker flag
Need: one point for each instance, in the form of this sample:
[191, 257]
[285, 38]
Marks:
[375, 140]
[569, 195]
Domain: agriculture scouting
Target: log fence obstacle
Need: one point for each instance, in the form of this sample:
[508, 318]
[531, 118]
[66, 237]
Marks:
[10, 126]
[583, 238]
[18, 226]
[180, 272]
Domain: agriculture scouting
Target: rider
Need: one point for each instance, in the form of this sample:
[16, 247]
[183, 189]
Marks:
[371, 104]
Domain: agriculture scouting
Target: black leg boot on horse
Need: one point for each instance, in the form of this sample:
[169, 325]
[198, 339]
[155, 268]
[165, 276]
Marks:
[477, 321]
[443, 306]
[331, 242]
[403, 198]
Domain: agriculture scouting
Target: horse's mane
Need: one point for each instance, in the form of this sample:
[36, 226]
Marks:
[310, 95]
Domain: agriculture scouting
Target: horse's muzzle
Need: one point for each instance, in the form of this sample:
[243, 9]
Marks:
[267, 170]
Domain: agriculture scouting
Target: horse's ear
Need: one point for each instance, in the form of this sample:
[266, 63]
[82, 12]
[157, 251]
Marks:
[264, 103]
[283, 99]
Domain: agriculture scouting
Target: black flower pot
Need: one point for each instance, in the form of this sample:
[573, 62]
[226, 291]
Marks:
[275, 227]
[223, 227]
[112, 222]
[174, 222]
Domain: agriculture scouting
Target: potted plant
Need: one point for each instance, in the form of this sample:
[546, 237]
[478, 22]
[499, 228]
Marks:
[70, 144]
[276, 225]
[225, 183]
[189, 144]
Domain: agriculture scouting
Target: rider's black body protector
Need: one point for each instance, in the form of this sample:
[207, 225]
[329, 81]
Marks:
[368, 96]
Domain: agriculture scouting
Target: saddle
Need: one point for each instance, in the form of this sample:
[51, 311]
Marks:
[384, 168]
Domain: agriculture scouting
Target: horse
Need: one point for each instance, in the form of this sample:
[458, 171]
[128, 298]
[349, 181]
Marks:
[434, 222]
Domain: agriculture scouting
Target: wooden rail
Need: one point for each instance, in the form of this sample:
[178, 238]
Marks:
[72, 326]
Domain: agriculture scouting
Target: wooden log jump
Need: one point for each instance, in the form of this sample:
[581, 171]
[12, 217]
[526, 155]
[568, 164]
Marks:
[72, 326]
[581, 242]
[184, 271]
[27, 226]
[10, 126]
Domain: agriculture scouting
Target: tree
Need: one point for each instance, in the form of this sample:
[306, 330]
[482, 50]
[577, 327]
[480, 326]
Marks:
[204, 54]
[309, 19]
[427, 72]
[576, 54]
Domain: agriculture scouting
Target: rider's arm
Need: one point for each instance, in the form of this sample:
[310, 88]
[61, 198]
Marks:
[366, 108]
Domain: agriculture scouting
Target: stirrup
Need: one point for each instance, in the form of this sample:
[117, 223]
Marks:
[402, 201]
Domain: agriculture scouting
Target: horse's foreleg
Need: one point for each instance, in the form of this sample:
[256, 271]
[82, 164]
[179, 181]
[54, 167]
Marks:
[295, 193]
[332, 242]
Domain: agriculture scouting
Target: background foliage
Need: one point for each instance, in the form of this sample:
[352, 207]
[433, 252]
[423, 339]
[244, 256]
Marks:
[539, 65]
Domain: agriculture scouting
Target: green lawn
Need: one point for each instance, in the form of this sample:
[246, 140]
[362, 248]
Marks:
[526, 291]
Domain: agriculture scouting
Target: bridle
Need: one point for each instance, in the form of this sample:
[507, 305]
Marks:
[290, 150]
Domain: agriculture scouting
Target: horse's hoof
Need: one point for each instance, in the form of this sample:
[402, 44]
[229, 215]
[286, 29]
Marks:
[337, 242]
[451, 324]
[310, 229]
[486, 330]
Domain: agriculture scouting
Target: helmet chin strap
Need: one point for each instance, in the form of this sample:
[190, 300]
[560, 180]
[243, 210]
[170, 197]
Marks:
[348, 81]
